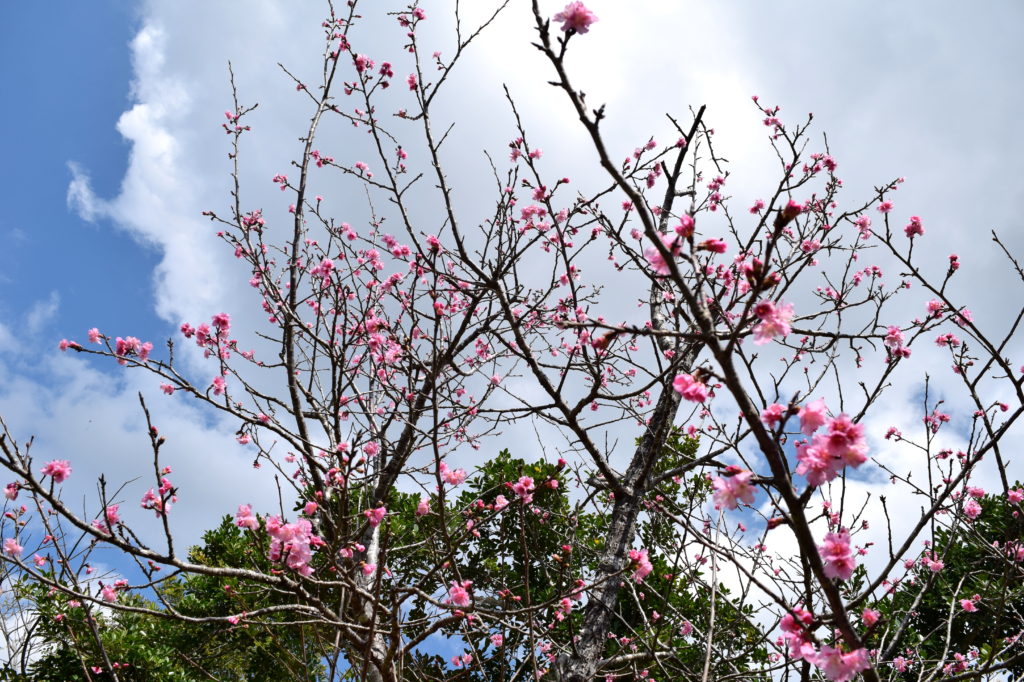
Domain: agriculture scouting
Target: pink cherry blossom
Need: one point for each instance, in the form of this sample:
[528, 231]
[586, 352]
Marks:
[11, 491]
[12, 548]
[685, 226]
[914, 228]
[730, 490]
[773, 414]
[673, 244]
[524, 489]
[863, 223]
[815, 464]
[791, 210]
[869, 617]
[223, 323]
[844, 441]
[292, 543]
[375, 516]
[59, 469]
[793, 625]
[691, 389]
[452, 476]
[775, 321]
[643, 564]
[893, 337]
[812, 416]
[244, 518]
[713, 245]
[835, 552]
[576, 17]
[840, 667]
[841, 445]
[108, 593]
[458, 593]
[796, 620]
[126, 347]
[95, 336]
[423, 508]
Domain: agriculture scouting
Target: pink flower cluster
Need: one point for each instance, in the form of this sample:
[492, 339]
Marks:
[323, 270]
[207, 338]
[111, 517]
[576, 17]
[59, 469]
[458, 593]
[773, 414]
[161, 499]
[835, 552]
[841, 444]
[132, 346]
[12, 548]
[451, 476]
[375, 516]
[673, 244]
[690, 388]
[108, 593]
[793, 630]
[643, 564]
[733, 488]
[775, 321]
[837, 666]
[244, 518]
[914, 227]
[894, 342]
[524, 489]
[293, 542]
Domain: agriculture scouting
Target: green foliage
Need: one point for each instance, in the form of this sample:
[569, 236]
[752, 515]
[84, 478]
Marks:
[532, 555]
[972, 566]
[148, 647]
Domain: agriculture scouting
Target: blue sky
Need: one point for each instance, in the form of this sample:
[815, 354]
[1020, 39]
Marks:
[133, 93]
[70, 64]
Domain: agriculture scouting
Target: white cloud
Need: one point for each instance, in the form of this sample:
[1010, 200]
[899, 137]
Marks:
[81, 199]
[7, 342]
[94, 420]
[41, 312]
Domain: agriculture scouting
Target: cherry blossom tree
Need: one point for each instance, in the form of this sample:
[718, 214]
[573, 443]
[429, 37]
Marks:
[704, 384]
